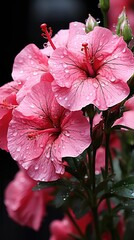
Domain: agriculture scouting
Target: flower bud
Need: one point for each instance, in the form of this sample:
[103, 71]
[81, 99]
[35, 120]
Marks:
[104, 5]
[90, 23]
[123, 27]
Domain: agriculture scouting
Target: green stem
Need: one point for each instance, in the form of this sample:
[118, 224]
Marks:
[93, 170]
[96, 222]
[107, 151]
[76, 225]
[107, 136]
[105, 19]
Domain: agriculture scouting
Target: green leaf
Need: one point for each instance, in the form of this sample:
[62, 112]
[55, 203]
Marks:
[124, 188]
[41, 185]
[79, 206]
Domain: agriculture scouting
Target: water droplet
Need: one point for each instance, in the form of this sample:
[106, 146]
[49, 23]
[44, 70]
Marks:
[60, 98]
[36, 167]
[64, 65]
[18, 149]
[87, 97]
[21, 71]
[67, 133]
[132, 194]
[47, 154]
[35, 73]
[65, 52]
[66, 71]
[115, 55]
[15, 134]
[124, 50]
[62, 56]
[95, 85]
[113, 79]
[66, 98]
[41, 145]
[32, 106]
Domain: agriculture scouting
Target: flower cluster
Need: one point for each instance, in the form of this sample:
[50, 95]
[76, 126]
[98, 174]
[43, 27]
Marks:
[62, 119]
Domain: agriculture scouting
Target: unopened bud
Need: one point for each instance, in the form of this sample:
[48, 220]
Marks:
[90, 23]
[123, 27]
[104, 5]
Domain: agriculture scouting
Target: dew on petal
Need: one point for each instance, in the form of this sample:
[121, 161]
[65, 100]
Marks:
[35, 73]
[64, 65]
[36, 167]
[124, 50]
[96, 85]
[32, 106]
[113, 79]
[18, 149]
[67, 133]
[15, 134]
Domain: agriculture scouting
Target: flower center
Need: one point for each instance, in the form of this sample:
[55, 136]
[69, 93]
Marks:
[90, 72]
[33, 134]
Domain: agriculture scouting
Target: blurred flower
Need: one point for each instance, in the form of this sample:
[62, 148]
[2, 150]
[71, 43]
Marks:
[115, 10]
[25, 206]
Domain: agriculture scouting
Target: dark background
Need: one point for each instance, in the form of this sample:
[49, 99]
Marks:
[20, 25]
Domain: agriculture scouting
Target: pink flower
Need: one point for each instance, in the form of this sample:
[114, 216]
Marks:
[100, 159]
[7, 103]
[41, 132]
[62, 229]
[30, 65]
[128, 114]
[94, 69]
[25, 206]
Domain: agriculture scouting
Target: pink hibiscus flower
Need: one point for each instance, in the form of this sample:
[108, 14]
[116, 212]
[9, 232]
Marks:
[7, 103]
[41, 132]
[94, 69]
[25, 206]
[30, 65]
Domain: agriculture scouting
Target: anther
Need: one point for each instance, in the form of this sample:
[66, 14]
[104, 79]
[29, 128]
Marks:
[47, 33]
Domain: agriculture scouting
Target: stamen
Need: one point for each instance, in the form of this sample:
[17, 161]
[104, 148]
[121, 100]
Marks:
[47, 34]
[88, 62]
[33, 134]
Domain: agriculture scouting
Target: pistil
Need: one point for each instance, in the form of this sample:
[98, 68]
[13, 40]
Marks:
[47, 34]
[88, 62]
